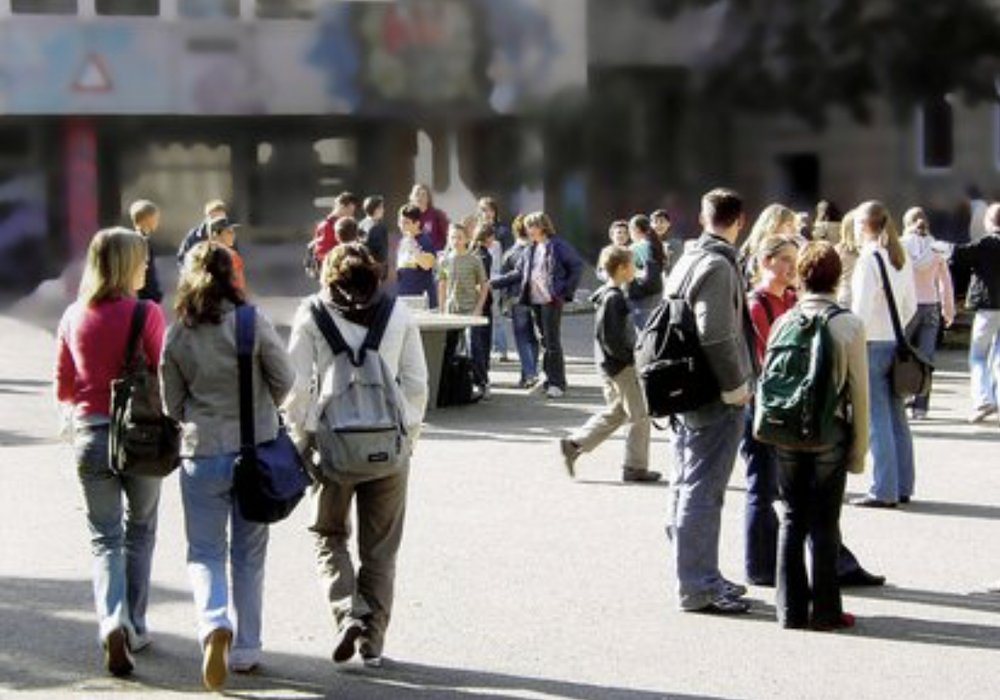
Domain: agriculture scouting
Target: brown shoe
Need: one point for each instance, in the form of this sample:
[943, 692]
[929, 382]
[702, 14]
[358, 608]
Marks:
[640, 476]
[215, 661]
[117, 658]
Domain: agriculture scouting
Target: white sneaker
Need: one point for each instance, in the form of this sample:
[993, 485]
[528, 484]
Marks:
[372, 661]
[554, 392]
[139, 641]
[244, 660]
[538, 388]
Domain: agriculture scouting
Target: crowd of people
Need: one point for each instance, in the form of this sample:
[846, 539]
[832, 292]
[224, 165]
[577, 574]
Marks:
[849, 272]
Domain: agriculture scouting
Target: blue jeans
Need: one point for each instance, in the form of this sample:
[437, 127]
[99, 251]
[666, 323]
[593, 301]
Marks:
[703, 463]
[923, 331]
[122, 513]
[760, 520]
[480, 338]
[209, 507]
[548, 319]
[984, 362]
[526, 340]
[889, 432]
[812, 487]
[499, 331]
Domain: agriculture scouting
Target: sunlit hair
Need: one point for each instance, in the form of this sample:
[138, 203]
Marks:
[207, 282]
[772, 247]
[483, 235]
[214, 205]
[141, 210]
[640, 222]
[880, 222]
[346, 229]
[350, 275]
[915, 219]
[518, 227]
[416, 190]
[114, 258]
[849, 244]
[819, 267]
[541, 221]
[617, 224]
[771, 221]
[491, 204]
[614, 257]
[411, 212]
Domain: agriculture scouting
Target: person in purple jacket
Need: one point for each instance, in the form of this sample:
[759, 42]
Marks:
[546, 277]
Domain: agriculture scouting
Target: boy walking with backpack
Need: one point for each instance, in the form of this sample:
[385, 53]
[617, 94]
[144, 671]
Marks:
[614, 353]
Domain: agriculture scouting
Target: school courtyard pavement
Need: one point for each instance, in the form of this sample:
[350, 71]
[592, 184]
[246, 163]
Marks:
[515, 581]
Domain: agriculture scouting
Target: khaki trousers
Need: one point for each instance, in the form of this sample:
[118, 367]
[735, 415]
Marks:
[366, 595]
[625, 404]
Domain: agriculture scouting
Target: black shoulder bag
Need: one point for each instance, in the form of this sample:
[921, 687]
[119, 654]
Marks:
[911, 371]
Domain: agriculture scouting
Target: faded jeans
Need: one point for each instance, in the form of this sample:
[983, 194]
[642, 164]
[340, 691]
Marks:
[209, 511]
[122, 514]
[984, 363]
[889, 431]
[922, 332]
[703, 463]
[525, 340]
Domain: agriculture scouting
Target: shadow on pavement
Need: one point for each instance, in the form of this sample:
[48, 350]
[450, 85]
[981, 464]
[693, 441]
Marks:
[14, 438]
[936, 632]
[49, 643]
[981, 602]
[955, 510]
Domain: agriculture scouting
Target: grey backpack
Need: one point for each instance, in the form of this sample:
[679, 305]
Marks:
[361, 432]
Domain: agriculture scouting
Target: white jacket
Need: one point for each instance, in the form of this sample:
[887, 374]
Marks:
[401, 349]
[868, 299]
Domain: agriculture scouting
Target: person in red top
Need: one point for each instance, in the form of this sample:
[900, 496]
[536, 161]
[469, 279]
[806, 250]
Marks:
[433, 222]
[325, 239]
[773, 295]
[121, 510]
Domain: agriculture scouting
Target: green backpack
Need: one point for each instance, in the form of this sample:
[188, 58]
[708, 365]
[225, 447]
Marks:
[797, 397]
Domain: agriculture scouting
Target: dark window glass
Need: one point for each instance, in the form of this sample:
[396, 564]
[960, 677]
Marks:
[286, 9]
[937, 137]
[43, 7]
[208, 8]
[140, 8]
[15, 143]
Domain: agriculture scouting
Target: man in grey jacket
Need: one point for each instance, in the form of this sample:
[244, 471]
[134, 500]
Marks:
[706, 439]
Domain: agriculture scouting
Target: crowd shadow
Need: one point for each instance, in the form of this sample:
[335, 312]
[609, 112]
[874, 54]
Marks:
[16, 438]
[49, 642]
[977, 602]
[24, 387]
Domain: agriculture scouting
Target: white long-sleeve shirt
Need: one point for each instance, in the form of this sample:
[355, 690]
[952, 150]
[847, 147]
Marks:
[868, 299]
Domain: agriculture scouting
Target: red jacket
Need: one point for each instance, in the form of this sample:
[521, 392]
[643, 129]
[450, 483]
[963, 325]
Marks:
[325, 238]
[92, 343]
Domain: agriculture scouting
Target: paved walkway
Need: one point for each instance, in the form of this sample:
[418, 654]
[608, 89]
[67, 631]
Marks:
[514, 581]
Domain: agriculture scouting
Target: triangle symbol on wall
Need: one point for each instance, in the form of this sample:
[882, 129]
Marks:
[93, 76]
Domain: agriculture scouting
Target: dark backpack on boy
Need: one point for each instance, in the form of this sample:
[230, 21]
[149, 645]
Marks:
[673, 372]
[797, 397]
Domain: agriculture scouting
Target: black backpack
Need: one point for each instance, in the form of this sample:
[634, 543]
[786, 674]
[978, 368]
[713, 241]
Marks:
[673, 371]
[143, 441]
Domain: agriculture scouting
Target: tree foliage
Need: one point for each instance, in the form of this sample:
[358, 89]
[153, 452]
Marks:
[803, 56]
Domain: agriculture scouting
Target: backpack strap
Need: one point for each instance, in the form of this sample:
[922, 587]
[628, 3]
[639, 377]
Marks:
[134, 334]
[246, 322]
[379, 323]
[761, 299]
[335, 339]
[328, 328]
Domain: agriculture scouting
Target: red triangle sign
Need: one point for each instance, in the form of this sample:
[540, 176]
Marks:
[93, 76]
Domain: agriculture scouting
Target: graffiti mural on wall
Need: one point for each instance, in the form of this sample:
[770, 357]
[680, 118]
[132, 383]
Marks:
[489, 56]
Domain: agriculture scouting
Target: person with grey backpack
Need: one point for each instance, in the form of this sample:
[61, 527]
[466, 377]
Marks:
[356, 411]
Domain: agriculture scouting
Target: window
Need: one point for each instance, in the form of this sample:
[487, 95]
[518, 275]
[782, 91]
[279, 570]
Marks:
[43, 7]
[139, 8]
[936, 133]
[208, 8]
[286, 9]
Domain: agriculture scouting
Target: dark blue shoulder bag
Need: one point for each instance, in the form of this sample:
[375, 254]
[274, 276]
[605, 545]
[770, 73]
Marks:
[270, 479]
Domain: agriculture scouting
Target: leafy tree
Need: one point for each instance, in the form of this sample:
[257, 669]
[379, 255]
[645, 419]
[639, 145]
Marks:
[803, 56]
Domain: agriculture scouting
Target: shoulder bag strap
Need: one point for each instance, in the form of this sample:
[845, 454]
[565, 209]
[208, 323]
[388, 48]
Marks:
[761, 298]
[897, 327]
[134, 335]
[246, 321]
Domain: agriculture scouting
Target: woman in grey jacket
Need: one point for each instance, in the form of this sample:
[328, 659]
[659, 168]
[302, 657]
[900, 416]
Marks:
[199, 376]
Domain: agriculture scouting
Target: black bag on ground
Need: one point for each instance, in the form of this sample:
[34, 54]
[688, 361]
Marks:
[911, 372]
[458, 376]
[673, 372]
[143, 441]
[269, 479]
